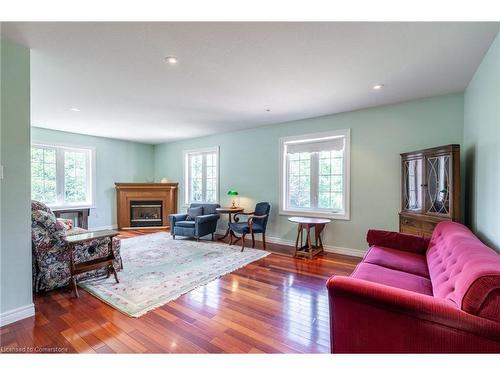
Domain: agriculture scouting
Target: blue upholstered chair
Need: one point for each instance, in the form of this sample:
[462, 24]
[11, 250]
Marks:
[199, 226]
[256, 223]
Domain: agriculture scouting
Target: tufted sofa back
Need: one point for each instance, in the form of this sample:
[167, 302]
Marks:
[464, 271]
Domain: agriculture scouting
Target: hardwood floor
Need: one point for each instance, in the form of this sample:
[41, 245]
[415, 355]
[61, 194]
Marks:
[275, 305]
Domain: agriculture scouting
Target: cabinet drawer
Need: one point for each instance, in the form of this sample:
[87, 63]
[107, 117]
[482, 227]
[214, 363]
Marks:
[410, 222]
[428, 226]
[426, 234]
[410, 230]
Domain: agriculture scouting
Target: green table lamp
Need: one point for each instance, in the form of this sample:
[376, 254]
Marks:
[233, 194]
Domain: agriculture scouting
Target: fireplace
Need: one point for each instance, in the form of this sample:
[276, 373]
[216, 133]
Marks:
[152, 203]
[146, 213]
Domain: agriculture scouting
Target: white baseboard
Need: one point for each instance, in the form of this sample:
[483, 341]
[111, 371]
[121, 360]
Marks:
[328, 248]
[14, 315]
[105, 227]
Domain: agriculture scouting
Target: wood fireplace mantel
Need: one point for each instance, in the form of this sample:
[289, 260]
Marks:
[145, 191]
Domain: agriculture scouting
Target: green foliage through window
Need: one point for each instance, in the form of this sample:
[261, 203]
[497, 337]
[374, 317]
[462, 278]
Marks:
[201, 176]
[60, 176]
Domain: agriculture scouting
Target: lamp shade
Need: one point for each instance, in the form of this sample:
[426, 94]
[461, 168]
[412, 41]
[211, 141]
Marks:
[232, 192]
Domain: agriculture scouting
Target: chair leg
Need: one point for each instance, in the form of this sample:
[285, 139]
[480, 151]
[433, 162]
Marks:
[264, 241]
[243, 241]
[173, 236]
[213, 236]
[253, 240]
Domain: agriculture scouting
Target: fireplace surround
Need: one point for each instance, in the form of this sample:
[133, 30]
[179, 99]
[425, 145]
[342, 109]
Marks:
[145, 205]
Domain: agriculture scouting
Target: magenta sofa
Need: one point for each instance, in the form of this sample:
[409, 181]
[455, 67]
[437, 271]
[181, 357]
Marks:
[414, 295]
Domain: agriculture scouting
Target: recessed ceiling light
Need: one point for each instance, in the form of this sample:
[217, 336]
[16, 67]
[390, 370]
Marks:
[172, 60]
[74, 109]
[378, 86]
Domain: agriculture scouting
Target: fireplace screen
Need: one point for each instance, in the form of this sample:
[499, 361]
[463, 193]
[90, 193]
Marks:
[146, 214]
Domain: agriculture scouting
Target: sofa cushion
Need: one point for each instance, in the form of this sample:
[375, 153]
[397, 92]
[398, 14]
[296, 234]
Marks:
[398, 260]
[193, 212]
[464, 271]
[244, 228]
[75, 230]
[396, 240]
[394, 278]
[185, 224]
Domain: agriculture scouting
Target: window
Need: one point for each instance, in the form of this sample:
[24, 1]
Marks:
[201, 170]
[62, 176]
[315, 175]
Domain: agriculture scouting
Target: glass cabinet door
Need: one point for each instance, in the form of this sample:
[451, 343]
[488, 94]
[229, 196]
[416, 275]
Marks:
[438, 184]
[412, 185]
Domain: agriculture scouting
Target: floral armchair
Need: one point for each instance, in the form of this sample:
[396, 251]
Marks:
[51, 254]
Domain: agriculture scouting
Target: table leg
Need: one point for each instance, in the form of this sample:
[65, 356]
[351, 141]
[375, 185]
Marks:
[299, 233]
[110, 250]
[228, 230]
[75, 286]
[225, 235]
[318, 229]
[309, 245]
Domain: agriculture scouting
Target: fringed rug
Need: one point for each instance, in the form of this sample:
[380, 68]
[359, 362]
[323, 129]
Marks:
[158, 269]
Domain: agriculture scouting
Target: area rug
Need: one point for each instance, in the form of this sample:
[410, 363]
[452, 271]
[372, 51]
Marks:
[158, 269]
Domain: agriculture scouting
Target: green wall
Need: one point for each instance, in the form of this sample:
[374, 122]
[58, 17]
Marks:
[116, 161]
[482, 148]
[15, 222]
[249, 161]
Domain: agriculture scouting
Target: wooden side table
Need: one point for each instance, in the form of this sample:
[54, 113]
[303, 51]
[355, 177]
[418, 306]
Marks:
[306, 223]
[94, 264]
[230, 211]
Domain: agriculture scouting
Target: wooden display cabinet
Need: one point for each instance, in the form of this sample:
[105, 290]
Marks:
[430, 189]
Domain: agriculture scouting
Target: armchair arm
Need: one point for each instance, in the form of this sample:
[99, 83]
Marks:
[371, 317]
[251, 219]
[206, 218]
[237, 219]
[395, 240]
[205, 224]
[177, 217]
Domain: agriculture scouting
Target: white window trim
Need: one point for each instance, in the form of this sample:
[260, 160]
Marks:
[186, 153]
[283, 210]
[91, 165]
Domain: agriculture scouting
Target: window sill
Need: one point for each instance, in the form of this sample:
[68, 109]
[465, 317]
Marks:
[320, 214]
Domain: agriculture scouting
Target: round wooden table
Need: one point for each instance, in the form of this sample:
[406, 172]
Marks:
[230, 211]
[306, 223]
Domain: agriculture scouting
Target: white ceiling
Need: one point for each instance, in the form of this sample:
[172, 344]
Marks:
[229, 73]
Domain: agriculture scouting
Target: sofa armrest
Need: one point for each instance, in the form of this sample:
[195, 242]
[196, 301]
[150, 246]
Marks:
[177, 217]
[396, 240]
[370, 317]
[206, 218]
